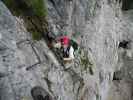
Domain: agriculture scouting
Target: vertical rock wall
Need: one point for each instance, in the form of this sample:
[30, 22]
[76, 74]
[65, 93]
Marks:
[99, 23]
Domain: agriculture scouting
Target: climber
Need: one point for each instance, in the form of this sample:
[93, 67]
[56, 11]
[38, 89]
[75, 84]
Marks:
[68, 52]
[63, 44]
[61, 40]
[67, 49]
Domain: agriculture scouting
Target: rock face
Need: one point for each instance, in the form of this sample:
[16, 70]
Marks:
[97, 25]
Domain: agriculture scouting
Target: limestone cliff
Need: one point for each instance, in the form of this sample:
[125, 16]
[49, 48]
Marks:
[103, 30]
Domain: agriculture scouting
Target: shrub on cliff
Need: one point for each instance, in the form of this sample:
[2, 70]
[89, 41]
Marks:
[36, 7]
[36, 11]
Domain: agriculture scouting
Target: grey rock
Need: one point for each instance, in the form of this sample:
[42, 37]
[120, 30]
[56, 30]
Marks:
[25, 63]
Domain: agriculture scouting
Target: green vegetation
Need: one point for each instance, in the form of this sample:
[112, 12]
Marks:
[11, 5]
[9, 2]
[36, 36]
[36, 10]
[38, 7]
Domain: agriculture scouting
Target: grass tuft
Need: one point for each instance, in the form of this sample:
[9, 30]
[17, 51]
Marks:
[36, 36]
